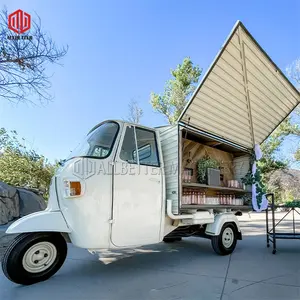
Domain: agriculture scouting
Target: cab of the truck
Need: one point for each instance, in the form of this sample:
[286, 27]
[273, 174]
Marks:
[117, 173]
[110, 191]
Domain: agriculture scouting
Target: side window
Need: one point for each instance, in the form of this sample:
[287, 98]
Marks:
[147, 147]
[129, 146]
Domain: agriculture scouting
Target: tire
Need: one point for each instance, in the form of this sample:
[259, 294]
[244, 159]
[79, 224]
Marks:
[225, 242]
[34, 257]
[171, 240]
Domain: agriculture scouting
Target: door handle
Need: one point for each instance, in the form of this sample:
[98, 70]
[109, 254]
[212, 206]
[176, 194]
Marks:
[154, 179]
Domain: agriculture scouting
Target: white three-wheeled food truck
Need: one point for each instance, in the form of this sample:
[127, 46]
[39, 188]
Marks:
[127, 185]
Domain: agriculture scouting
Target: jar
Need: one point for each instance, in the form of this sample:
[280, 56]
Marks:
[189, 175]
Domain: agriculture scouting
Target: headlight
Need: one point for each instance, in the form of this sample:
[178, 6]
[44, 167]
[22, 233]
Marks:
[72, 188]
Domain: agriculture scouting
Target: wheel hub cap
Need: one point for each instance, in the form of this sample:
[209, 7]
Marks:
[39, 257]
[227, 237]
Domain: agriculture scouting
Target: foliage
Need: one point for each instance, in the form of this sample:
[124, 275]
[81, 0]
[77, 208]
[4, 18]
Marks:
[293, 203]
[248, 179]
[297, 155]
[257, 179]
[202, 165]
[270, 161]
[271, 147]
[135, 112]
[23, 63]
[260, 187]
[177, 90]
[293, 70]
[20, 166]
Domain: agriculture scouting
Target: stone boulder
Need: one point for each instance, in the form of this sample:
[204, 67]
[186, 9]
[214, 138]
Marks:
[30, 202]
[18, 202]
[9, 203]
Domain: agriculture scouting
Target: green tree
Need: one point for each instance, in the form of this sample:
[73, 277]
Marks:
[297, 155]
[177, 90]
[21, 166]
[293, 72]
[270, 161]
[272, 145]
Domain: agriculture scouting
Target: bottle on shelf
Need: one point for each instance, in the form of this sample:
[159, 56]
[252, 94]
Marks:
[184, 197]
[184, 176]
[189, 175]
[189, 198]
[199, 195]
[194, 198]
[233, 200]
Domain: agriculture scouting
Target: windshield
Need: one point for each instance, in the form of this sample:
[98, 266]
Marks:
[99, 142]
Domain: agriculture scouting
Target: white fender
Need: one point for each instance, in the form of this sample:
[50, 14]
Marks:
[40, 221]
[220, 220]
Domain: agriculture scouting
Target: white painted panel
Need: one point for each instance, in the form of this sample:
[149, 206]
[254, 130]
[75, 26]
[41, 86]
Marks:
[134, 198]
[241, 166]
[169, 145]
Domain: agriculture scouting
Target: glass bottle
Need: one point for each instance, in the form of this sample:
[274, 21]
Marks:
[184, 176]
[198, 197]
[189, 175]
[233, 200]
[190, 197]
[184, 196]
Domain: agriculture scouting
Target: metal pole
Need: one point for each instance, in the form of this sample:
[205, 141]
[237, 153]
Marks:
[293, 220]
[267, 224]
[273, 223]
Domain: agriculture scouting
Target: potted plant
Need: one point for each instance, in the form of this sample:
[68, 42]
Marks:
[202, 165]
[248, 180]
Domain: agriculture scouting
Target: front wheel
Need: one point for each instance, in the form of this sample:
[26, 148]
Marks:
[225, 242]
[34, 257]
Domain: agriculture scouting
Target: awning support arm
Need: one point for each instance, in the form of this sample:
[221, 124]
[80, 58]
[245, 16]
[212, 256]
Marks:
[241, 41]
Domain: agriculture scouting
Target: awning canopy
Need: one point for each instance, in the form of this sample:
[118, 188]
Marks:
[243, 96]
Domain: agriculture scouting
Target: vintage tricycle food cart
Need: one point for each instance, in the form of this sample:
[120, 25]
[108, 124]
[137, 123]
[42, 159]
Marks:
[127, 185]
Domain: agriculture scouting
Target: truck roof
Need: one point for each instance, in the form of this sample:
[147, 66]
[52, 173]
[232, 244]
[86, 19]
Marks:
[243, 96]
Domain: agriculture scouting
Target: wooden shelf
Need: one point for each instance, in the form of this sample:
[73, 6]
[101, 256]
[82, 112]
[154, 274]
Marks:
[215, 206]
[205, 186]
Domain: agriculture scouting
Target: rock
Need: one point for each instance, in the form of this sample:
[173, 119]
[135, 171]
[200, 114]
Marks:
[30, 202]
[286, 180]
[9, 203]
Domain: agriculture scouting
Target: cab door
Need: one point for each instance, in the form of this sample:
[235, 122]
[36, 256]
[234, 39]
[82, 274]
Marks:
[137, 189]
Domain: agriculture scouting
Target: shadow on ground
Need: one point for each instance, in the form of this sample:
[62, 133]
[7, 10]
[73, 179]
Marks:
[183, 270]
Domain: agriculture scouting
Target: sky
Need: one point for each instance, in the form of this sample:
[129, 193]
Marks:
[123, 50]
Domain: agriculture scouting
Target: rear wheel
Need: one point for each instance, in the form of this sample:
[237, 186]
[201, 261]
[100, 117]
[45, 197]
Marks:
[225, 242]
[34, 257]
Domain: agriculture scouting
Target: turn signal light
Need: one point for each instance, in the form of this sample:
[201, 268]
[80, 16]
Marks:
[72, 188]
[75, 188]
